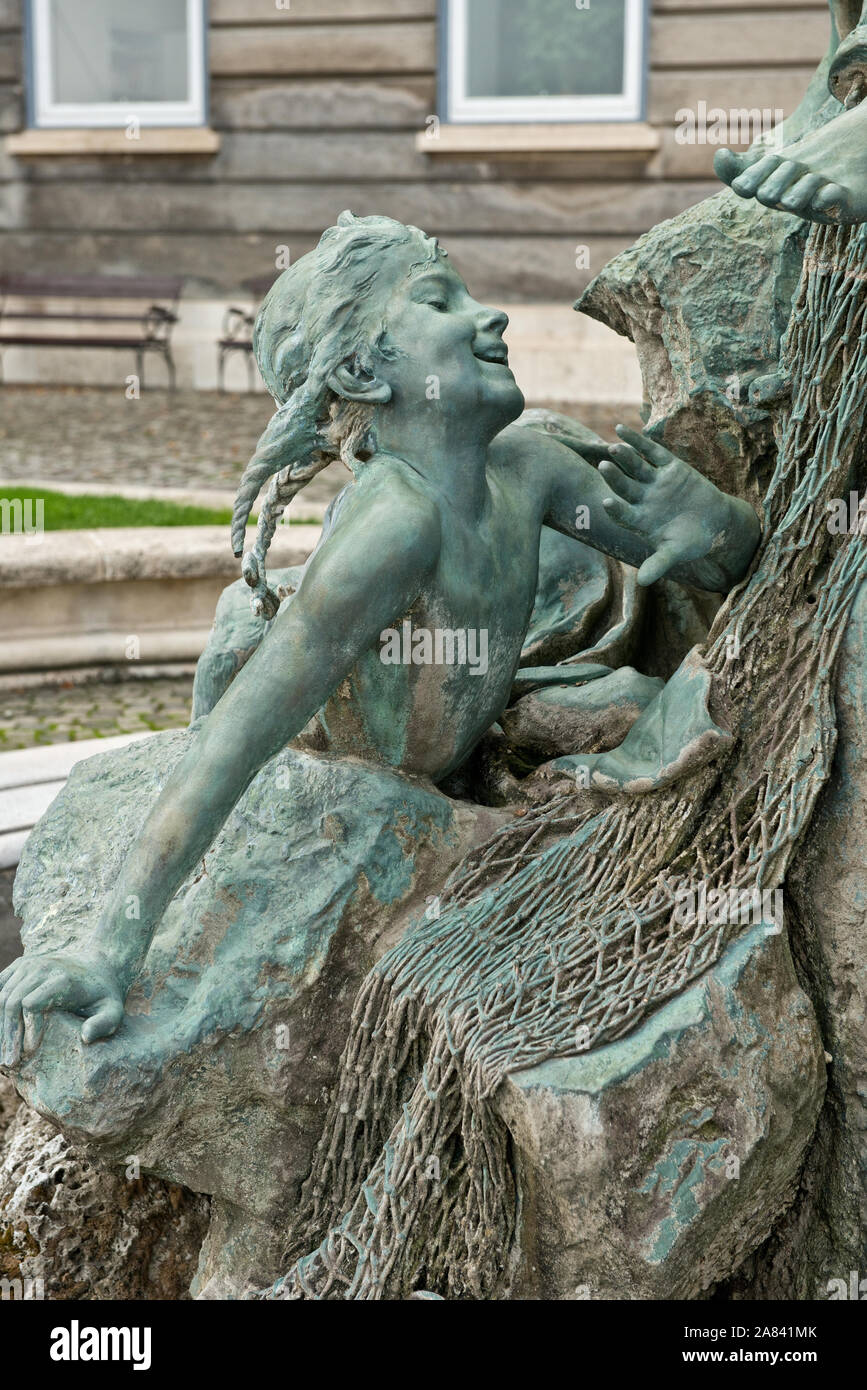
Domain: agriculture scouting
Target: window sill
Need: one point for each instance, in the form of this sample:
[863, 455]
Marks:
[32, 144]
[615, 140]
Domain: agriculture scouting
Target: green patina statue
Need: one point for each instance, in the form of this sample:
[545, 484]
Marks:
[441, 531]
[547, 1067]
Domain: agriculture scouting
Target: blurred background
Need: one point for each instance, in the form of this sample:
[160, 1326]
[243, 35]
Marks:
[160, 164]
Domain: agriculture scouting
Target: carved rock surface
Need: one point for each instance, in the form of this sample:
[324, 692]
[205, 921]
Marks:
[219, 1076]
[706, 297]
[582, 718]
[824, 1236]
[70, 1230]
[9, 1103]
[650, 1167]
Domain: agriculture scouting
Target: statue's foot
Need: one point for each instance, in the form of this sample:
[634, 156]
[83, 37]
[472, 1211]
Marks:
[822, 176]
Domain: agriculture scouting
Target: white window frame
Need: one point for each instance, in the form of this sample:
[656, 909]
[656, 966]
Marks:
[48, 113]
[626, 106]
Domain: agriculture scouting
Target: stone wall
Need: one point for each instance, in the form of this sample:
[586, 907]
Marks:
[318, 108]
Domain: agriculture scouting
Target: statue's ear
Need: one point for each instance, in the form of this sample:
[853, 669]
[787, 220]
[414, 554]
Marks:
[351, 381]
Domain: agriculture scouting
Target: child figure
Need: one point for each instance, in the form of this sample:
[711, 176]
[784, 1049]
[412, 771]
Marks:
[377, 353]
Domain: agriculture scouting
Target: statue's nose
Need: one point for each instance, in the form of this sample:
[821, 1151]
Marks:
[847, 80]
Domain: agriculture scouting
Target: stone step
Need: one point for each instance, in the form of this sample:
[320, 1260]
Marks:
[120, 595]
[30, 779]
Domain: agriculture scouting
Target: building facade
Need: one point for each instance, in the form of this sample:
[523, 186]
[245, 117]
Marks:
[533, 162]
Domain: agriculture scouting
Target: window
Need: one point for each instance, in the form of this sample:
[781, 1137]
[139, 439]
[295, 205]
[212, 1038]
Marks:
[113, 62]
[543, 60]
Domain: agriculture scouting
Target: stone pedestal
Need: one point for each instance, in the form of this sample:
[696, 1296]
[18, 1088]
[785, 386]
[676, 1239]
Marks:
[650, 1167]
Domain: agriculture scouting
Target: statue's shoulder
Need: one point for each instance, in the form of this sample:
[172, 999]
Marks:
[390, 499]
[512, 447]
[522, 448]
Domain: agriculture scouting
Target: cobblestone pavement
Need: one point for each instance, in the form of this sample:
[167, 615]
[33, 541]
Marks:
[85, 434]
[186, 439]
[36, 716]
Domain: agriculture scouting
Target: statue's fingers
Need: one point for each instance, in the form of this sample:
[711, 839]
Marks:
[13, 1023]
[8, 973]
[632, 463]
[8, 1021]
[648, 449]
[657, 564]
[830, 203]
[619, 510]
[592, 453]
[11, 978]
[104, 1021]
[620, 482]
[34, 1006]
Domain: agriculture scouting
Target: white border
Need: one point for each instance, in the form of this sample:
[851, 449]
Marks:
[48, 113]
[623, 106]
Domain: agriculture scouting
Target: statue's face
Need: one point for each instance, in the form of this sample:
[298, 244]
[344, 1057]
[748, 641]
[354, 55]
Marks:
[446, 347]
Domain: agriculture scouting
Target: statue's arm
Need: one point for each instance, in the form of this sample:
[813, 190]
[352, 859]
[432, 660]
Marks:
[644, 506]
[351, 591]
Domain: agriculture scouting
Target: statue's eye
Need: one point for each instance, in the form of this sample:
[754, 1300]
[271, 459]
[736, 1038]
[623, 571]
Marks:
[439, 304]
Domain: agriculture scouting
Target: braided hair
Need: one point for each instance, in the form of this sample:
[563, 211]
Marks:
[315, 317]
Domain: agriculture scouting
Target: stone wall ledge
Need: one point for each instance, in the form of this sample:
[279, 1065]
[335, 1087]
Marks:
[137, 553]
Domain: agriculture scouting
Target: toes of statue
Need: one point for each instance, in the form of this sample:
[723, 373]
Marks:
[771, 190]
[727, 165]
[798, 195]
[747, 183]
[830, 203]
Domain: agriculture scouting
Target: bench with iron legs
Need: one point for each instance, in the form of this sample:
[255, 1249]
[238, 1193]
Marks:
[25, 321]
[237, 332]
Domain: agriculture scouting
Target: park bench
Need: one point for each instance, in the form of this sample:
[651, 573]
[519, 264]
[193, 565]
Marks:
[143, 324]
[237, 331]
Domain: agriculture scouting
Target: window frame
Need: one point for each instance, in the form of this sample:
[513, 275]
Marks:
[46, 114]
[456, 108]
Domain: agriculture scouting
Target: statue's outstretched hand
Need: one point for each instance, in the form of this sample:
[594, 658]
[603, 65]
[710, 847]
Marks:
[33, 985]
[684, 517]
